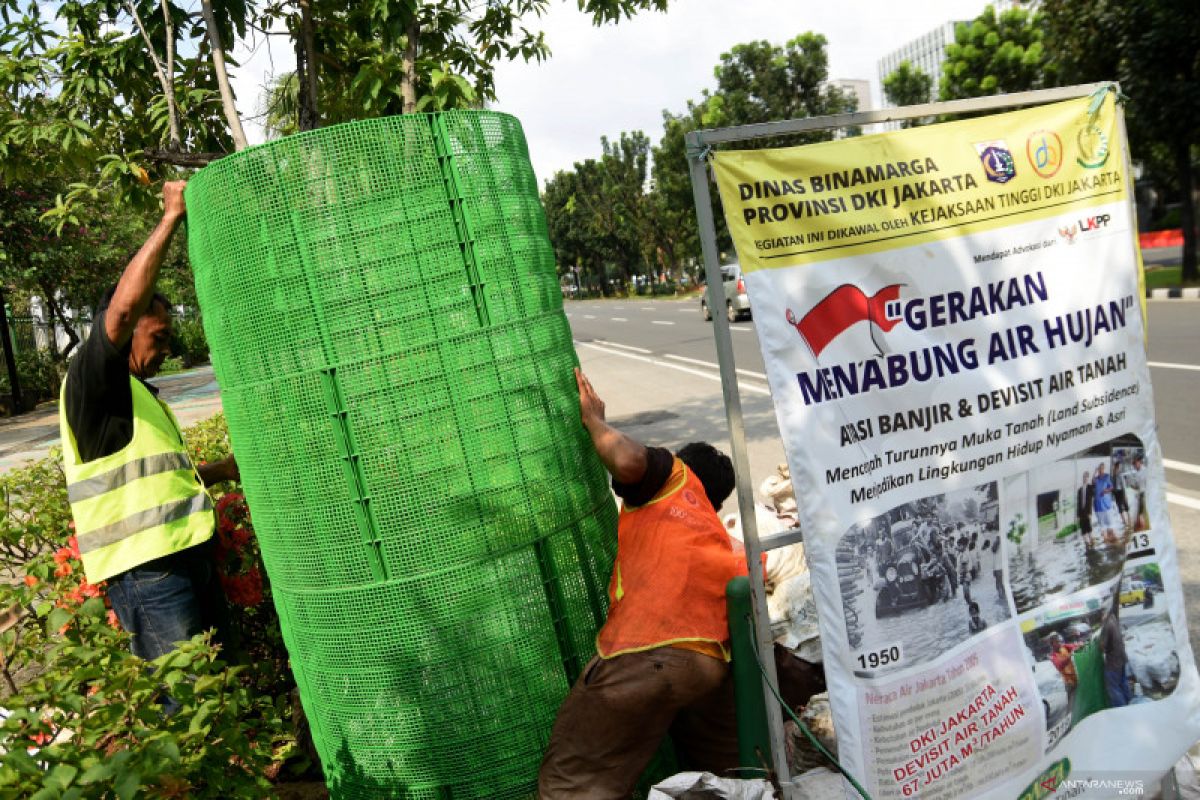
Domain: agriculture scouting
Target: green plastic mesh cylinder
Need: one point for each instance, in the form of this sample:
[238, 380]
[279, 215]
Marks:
[385, 322]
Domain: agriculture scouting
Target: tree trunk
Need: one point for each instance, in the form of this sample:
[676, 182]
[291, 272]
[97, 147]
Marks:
[309, 117]
[222, 76]
[408, 74]
[1187, 210]
[172, 107]
[56, 315]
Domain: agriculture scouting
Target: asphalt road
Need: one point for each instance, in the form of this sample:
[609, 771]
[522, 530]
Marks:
[673, 332]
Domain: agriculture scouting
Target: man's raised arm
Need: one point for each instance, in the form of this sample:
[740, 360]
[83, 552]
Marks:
[136, 287]
[623, 457]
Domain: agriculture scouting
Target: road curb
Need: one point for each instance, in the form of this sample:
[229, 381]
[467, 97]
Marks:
[1176, 293]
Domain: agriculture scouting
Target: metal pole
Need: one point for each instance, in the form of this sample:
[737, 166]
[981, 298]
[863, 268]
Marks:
[740, 133]
[737, 442]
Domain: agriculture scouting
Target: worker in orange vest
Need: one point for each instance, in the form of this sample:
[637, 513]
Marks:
[663, 653]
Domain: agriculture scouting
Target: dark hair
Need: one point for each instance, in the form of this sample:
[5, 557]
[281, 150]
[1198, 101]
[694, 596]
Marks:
[712, 467]
[158, 298]
[973, 608]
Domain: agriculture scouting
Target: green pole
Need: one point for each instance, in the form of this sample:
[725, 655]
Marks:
[754, 744]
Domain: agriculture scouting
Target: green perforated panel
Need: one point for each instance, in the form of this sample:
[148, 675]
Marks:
[385, 323]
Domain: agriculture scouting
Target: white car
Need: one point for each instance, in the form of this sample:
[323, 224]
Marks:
[737, 302]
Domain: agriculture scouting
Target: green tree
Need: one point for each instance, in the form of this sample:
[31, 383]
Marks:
[112, 95]
[997, 55]
[677, 235]
[762, 82]
[908, 86]
[756, 82]
[599, 215]
[380, 57]
[70, 270]
[1151, 47]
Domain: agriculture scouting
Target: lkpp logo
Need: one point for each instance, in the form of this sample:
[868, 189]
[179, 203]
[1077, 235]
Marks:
[1094, 223]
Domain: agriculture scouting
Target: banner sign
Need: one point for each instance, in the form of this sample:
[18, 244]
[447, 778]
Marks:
[954, 340]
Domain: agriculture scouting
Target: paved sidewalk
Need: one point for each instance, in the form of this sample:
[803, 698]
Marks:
[193, 395]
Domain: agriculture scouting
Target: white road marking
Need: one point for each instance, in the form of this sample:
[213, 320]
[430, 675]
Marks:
[1183, 500]
[749, 387]
[622, 346]
[685, 359]
[589, 316]
[646, 308]
[1180, 466]
[1165, 365]
[740, 330]
[661, 322]
[618, 319]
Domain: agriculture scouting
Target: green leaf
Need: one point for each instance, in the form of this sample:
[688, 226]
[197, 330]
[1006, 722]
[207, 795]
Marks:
[20, 760]
[93, 607]
[97, 772]
[127, 785]
[206, 683]
[170, 749]
[58, 617]
[61, 776]
[200, 718]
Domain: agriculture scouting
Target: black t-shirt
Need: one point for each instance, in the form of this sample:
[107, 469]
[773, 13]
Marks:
[659, 462]
[98, 398]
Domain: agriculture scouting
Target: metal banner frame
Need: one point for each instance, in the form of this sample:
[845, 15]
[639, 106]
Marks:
[699, 145]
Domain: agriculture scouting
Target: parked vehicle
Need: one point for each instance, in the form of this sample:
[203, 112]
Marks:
[737, 302]
[1136, 593]
[902, 584]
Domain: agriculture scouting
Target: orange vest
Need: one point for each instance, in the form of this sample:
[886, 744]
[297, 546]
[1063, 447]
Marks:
[674, 558]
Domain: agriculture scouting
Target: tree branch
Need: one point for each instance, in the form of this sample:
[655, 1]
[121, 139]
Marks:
[172, 107]
[167, 87]
[182, 159]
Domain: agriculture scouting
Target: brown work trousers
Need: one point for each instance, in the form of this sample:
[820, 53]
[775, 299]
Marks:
[618, 712]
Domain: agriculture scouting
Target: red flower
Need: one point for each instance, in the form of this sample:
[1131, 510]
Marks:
[62, 570]
[31, 581]
[113, 622]
[244, 590]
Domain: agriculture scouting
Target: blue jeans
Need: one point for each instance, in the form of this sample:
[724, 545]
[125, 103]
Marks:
[168, 600]
[1118, 687]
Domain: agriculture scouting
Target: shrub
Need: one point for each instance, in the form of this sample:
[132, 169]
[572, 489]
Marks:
[38, 373]
[91, 723]
[87, 718]
[188, 342]
[171, 365]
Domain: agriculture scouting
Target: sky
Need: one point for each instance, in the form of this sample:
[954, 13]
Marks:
[602, 81]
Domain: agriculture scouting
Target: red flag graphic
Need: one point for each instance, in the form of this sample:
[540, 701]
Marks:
[841, 308]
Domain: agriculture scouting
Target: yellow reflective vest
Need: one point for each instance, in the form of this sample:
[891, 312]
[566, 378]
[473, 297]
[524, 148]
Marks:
[140, 503]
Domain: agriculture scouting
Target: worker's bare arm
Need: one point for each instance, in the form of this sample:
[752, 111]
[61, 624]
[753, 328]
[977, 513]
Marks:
[136, 286]
[623, 457]
[216, 471]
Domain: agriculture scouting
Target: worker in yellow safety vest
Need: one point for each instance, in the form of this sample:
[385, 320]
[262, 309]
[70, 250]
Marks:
[143, 519]
[663, 653]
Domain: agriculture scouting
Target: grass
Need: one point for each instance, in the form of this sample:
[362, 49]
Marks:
[1163, 277]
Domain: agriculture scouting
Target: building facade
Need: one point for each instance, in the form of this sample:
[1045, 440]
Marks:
[926, 53]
